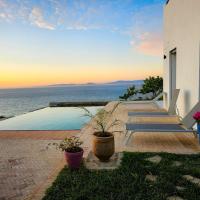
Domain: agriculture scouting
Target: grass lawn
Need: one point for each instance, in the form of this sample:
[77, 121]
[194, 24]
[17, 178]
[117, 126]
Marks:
[129, 182]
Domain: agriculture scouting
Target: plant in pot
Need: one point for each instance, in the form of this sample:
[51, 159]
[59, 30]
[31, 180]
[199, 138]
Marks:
[103, 141]
[196, 116]
[73, 151]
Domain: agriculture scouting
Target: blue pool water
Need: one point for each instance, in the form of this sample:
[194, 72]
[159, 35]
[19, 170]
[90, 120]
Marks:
[65, 118]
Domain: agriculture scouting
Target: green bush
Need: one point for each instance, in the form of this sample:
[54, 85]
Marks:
[129, 92]
[152, 85]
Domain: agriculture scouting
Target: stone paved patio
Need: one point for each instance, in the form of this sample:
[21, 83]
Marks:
[27, 167]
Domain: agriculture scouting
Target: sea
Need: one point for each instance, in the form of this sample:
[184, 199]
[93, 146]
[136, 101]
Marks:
[22, 100]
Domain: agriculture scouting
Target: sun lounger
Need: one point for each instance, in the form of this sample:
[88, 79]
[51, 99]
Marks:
[145, 101]
[157, 128]
[153, 114]
[171, 109]
[186, 125]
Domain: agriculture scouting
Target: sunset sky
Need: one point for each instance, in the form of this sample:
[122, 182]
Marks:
[77, 41]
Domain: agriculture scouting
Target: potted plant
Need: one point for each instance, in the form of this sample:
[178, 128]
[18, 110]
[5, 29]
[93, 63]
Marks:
[103, 141]
[196, 116]
[73, 151]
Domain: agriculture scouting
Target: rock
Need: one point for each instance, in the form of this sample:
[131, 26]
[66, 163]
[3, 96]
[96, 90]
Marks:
[154, 159]
[2, 117]
[180, 188]
[150, 177]
[5, 117]
[177, 163]
[192, 179]
[77, 104]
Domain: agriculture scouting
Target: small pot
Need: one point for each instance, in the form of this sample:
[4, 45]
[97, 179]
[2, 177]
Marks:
[73, 159]
[103, 147]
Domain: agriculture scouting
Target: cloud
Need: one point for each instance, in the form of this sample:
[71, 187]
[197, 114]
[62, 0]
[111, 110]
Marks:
[2, 4]
[78, 15]
[2, 15]
[77, 27]
[125, 17]
[91, 14]
[149, 44]
[6, 16]
[36, 17]
[5, 13]
[146, 33]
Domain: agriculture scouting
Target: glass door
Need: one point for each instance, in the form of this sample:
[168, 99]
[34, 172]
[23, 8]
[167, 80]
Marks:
[172, 71]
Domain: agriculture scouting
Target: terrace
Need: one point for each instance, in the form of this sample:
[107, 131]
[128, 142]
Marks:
[32, 169]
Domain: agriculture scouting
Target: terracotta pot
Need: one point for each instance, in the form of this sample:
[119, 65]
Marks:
[73, 159]
[103, 147]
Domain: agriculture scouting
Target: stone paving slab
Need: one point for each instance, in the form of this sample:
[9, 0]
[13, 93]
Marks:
[155, 159]
[93, 163]
[192, 179]
[151, 177]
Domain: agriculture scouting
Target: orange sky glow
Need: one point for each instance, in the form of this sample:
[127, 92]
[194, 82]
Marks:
[42, 78]
[79, 41]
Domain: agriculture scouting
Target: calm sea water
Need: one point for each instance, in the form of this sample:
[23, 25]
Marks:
[19, 101]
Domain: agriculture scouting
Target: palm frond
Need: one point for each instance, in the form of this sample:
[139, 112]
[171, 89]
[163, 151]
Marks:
[87, 113]
[114, 123]
[102, 118]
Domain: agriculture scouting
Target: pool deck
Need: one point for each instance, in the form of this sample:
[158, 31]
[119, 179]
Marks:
[27, 167]
[179, 143]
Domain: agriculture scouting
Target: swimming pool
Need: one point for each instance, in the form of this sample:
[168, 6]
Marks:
[65, 118]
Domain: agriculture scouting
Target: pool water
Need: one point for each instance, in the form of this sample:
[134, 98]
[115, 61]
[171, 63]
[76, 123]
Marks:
[65, 118]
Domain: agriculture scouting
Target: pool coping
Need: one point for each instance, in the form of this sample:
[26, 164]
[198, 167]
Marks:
[40, 135]
[17, 130]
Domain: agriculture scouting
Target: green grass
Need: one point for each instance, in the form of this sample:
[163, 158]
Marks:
[128, 181]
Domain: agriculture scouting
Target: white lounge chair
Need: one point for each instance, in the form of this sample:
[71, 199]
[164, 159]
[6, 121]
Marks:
[186, 125]
[171, 109]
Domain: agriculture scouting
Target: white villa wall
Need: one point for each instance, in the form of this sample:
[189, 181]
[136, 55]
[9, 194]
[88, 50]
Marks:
[182, 31]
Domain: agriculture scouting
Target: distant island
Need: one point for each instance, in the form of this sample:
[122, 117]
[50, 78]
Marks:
[135, 82]
[130, 82]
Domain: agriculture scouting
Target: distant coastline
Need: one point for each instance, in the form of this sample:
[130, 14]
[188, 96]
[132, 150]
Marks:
[118, 82]
[134, 82]
[22, 100]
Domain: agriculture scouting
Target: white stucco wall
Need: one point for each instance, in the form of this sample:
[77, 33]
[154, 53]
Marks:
[182, 31]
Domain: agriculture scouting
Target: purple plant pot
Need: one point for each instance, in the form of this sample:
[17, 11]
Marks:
[74, 159]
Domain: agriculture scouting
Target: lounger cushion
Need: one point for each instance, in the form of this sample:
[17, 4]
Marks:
[147, 113]
[156, 128]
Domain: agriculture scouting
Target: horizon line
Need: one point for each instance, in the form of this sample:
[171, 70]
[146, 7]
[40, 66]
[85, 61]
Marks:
[67, 84]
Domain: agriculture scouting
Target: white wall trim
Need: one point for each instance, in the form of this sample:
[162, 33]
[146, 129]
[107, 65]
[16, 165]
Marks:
[199, 70]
